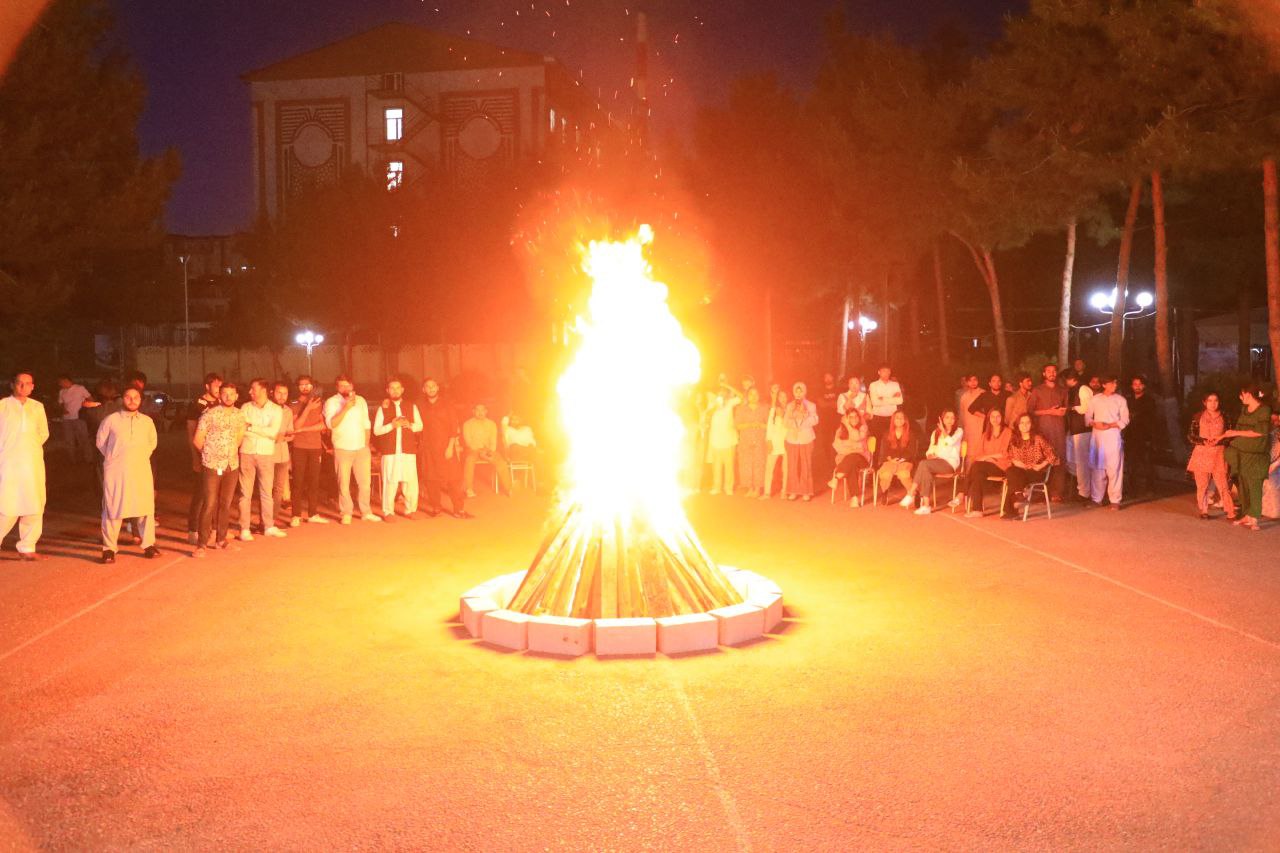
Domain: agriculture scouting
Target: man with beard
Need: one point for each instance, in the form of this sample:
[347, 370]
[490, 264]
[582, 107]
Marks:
[126, 440]
[347, 415]
[212, 384]
[24, 428]
[397, 428]
[218, 437]
[1048, 407]
[440, 453]
[306, 453]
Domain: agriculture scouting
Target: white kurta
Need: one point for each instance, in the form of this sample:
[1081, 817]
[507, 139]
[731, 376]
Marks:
[126, 441]
[23, 431]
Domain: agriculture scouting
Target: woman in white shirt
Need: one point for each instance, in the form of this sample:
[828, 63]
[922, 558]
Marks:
[942, 457]
[776, 438]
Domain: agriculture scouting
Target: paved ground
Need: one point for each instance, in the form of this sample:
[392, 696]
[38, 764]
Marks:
[1100, 681]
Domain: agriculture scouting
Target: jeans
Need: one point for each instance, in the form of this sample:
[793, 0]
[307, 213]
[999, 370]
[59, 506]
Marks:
[219, 489]
[306, 481]
[278, 485]
[260, 468]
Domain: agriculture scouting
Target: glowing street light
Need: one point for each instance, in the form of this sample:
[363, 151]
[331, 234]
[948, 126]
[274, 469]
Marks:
[1105, 301]
[310, 340]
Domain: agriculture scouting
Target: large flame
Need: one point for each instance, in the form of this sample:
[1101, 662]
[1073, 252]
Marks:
[622, 545]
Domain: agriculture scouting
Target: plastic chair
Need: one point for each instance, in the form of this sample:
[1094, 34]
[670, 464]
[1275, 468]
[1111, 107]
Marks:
[843, 482]
[1040, 485]
[954, 476]
[492, 468]
[530, 476]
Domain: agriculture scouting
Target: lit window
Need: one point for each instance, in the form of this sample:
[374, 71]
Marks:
[551, 113]
[395, 231]
[395, 174]
[395, 123]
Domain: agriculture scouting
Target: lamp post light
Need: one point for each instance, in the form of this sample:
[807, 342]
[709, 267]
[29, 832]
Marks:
[864, 325]
[310, 340]
[1105, 301]
[186, 325]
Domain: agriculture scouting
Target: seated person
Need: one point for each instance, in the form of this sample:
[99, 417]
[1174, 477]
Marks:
[480, 445]
[850, 445]
[517, 439]
[1030, 453]
[897, 452]
[989, 457]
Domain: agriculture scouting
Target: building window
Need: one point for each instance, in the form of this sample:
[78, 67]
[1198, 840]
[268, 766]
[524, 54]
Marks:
[395, 174]
[395, 123]
[551, 113]
[393, 82]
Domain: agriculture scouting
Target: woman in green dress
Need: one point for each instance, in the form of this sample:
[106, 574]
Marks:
[1247, 454]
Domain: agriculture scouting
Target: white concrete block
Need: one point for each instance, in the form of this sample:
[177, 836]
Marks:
[771, 604]
[739, 623]
[506, 587]
[559, 635]
[473, 609]
[505, 628]
[626, 637]
[693, 632]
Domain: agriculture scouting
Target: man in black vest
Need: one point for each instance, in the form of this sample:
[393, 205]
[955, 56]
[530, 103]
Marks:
[440, 452]
[396, 430]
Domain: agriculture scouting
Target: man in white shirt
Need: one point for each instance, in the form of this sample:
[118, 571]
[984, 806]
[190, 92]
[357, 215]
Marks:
[722, 440]
[396, 429]
[126, 440]
[24, 429]
[884, 398]
[75, 432]
[347, 415]
[1078, 432]
[1107, 415]
[855, 398]
[263, 422]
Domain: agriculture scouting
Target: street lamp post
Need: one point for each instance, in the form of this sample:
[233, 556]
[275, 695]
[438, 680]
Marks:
[865, 324]
[1106, 303]
[310, 340]
[186, 326]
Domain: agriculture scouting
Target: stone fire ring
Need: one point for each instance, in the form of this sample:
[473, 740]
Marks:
[486, 618]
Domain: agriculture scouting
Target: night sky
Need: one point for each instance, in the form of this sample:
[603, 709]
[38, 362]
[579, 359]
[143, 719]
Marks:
[193, 52]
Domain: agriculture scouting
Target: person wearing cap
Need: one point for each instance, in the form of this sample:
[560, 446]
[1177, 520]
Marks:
[801, 418]
[1107, 415]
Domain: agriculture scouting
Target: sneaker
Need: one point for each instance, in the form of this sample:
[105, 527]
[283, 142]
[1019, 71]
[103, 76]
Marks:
[370, 517]
[973, 513]
[200, 552]
[907, 502]
[346, 519]
[462, 514]
[274, 532]
[409, 516]
[108, 557]
[295, 522]
[807, 498]
[317, 519]
[924, 509]
[855, 502]
[471, 493]
[955, 502]
[246, 536]
[831, 484]
[764, 497]
[712, 492]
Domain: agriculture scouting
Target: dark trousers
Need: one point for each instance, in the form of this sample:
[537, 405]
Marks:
[197, 501]
[1019, 479]
[306, 481]
[219, 489]
[851, 465]
[977, 483]
[441, 476]
[878, 426]
[1140, 473]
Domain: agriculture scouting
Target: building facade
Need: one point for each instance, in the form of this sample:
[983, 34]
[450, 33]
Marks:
[406, 104]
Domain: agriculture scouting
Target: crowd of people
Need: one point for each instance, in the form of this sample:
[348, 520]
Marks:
[1072, 433]
[265, 441]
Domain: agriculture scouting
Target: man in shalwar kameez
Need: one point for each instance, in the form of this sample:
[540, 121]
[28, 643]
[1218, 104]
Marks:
[1107, 415]
[126, 441]
[397, 428]
[24, 429]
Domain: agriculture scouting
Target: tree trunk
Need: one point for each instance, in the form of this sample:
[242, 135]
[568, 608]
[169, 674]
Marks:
[768, 335]
[1244, 327]
[1064, 312]
[1271, 211]
[1164, 346]
[884, 324]
[913, 333]
[944, 348]
[844, 337]
[997, 312]
[1115, 342]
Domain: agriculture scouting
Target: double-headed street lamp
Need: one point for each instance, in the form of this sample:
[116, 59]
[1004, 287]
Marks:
[186, 325]
[1106, 302]
[310, 340]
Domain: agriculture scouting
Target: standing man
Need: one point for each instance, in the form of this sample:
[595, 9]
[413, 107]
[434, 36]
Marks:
[306, 452]
[828, 420]
[440, 453]
[396, 429]
[1048, 406]
[75, 432]
[218, 437]
[971, 420]
[1139, 437]
[885, 397]
[263, 420]
[150, 408]
[202, 404]
[280, 473]
[1017, 404]
[126, 440]
[1078, 432]
[24, 429]
[751, 420]
[1107, 416]
[347, 415]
